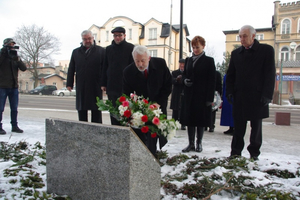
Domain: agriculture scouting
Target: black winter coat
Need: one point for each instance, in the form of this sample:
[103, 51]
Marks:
[87, 67]
[9, 70]
[157, 87]
[251, 76]
[203, 75]
[117, 57]
[177, 90]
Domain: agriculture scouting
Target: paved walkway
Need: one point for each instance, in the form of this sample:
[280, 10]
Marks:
[282, 140]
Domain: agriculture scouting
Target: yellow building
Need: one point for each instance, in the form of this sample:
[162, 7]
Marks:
[284, 36]
[153, 34]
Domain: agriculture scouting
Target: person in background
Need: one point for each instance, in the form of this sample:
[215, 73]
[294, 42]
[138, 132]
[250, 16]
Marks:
[226, 112]
[199, 77]
[10, 63]
[117, 57]
[148, 77]
[249, 87]
[219, 90]
[87, 62]
[177, 91]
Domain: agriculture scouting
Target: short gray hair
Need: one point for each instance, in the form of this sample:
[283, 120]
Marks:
[86, 32]
[141, 50]
[250, 28]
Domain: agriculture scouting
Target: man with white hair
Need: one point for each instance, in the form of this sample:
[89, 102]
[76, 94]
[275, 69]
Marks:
[249, 87]
[150, 77]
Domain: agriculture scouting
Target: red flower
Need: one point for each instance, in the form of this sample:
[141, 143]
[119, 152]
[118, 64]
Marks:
[127, 113]
[145, 101]
[155, 120]
[145, 129]
[144, 118]
[122, 98]
[125, 103]
[153, 135]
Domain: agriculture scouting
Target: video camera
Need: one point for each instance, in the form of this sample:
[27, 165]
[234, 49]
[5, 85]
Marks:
[12, 52]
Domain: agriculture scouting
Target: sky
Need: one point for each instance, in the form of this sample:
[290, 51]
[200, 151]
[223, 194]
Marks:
[280, 150]
[67, 19]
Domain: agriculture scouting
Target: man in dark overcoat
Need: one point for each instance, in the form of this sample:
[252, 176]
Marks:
[117, 57]
[249, 86]
[151, 78]
[177, 91]
[86, 64]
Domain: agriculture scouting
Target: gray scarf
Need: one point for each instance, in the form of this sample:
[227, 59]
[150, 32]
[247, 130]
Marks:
[196, 57]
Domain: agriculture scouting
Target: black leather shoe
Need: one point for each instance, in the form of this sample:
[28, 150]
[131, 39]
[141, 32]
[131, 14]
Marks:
[183, 128]
[211, 130]
[190, 147]
[229, 131]
[2, 132]
[16, 129]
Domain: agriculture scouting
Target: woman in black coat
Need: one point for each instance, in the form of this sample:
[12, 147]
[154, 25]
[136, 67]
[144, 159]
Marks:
[199, 79]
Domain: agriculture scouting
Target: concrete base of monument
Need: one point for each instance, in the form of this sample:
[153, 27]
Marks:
[96, 161]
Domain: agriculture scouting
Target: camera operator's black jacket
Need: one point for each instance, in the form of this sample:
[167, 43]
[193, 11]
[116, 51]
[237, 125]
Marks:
[9, 70]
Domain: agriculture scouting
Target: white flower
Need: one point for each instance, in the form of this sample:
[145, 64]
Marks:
[137, 119]
[171, 134]
[122, 109]
[157, 112]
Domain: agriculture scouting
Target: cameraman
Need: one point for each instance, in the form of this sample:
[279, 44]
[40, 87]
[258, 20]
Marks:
[10, 63]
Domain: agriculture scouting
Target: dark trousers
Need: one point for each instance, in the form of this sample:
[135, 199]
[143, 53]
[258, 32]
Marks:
[213, 119]
[113, 99]
[175, 114]
[13, 97]
[96, 116]
[237, 143]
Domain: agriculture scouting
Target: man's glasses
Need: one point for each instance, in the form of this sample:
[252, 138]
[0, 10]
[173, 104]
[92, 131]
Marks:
[119, 35]
[86, 39]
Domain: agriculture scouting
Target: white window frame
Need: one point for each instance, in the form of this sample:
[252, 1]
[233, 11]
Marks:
[259, 36]
[153, 53]
[152, 33]
[238, 38]
[286, 27]
[284, 55]
[107, 36]
[130, 34]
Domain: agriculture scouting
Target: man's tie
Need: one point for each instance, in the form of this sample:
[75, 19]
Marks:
[145, 73]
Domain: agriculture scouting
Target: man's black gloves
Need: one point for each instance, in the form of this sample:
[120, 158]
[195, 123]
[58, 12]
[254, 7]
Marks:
[265, 101]
[188, 82]
[230, 98]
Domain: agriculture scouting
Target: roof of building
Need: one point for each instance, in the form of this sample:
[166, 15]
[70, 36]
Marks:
[46, 76]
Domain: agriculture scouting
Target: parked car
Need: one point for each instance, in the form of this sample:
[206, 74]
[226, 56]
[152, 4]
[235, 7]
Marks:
[43, 90]
[64, 92]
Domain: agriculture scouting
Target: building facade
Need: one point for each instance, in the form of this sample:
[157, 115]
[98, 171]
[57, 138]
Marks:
[47, 76]
[153, 34]
[284, 36]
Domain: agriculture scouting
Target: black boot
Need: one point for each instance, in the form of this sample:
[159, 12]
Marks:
[229, 131]
[200, 131]
[191, 134]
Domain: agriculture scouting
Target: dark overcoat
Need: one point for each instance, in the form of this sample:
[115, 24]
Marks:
[177, 90]
[157, 87]
[117, 57]
[251, 76]
[203, 75]
[226, 112]
[87, 68]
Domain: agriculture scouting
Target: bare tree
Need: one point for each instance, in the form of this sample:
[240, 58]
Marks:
[36, 46]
